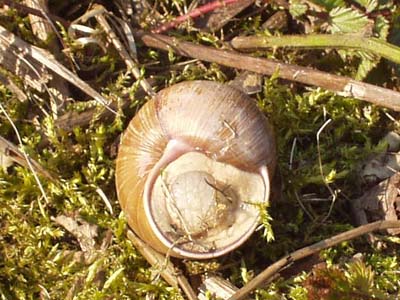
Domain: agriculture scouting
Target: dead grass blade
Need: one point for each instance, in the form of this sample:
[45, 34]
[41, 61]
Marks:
[16, 53]
[11, 152]
[130, 63]
[164, 266]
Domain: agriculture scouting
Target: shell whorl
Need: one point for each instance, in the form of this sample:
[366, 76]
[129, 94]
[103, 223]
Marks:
[198, 116]
[218, 120]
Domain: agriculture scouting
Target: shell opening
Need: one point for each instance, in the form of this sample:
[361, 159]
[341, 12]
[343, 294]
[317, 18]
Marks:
[201, 208]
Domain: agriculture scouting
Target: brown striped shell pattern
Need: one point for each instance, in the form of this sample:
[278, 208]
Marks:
[192, 167]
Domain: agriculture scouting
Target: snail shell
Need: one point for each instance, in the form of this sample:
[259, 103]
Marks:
[192, 166]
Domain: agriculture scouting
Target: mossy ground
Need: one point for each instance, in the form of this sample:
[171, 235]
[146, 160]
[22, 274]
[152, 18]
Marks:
[39, 259]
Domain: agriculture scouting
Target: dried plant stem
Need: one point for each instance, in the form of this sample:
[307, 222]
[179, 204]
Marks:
[265, 276]
[167, 269]
[73, 118]
[29, 55]
[342, 85]
[42, 27]
[321, 170]
[12, 152]
[338, 41]
[193, 14]
[13, 87]
[132, 66]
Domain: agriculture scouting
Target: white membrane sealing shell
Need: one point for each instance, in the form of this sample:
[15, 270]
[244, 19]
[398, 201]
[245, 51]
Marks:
[196, 203]
[227, 214]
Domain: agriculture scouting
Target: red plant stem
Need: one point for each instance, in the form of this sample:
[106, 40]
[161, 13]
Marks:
[193, 14]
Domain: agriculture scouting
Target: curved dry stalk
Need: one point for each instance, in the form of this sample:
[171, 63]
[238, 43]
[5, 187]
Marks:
[265, 276]
[12, 153]
[165, 267]
[337, 41]
[331, 191]
[130, 63]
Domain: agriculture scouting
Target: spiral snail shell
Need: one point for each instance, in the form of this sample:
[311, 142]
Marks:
[192, 166]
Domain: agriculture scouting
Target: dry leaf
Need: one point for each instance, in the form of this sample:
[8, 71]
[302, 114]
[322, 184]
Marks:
[381, 202]
[84, 232]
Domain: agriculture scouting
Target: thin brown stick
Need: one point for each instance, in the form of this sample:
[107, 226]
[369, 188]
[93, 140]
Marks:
[265, 276]
[166, 268]
[74, 118]
[131, 65]
[342, 85]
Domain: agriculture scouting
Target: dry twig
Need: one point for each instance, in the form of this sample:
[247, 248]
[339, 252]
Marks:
[265, 276]
[40, 27]
[13, 87]
[73, 119]
[130, 63]
[218, 287]
[165, 267]
[342, 85]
